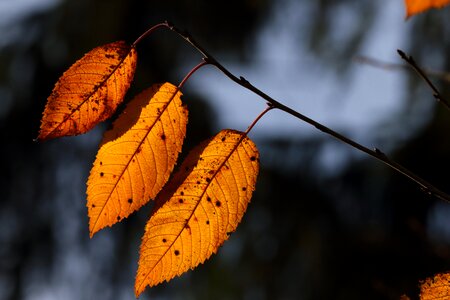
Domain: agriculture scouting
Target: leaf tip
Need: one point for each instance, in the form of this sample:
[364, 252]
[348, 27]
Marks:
[139, 287]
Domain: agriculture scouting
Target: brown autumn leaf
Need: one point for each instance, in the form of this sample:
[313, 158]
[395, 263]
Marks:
[435, 288]
[89, 91]
[136, 156]
[199, 208]
[417, 6]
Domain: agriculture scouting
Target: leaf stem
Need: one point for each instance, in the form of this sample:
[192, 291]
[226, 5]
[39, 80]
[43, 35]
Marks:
[269, 107]
[436, 94]
[148, 32]
[376, 153]
[191, 72]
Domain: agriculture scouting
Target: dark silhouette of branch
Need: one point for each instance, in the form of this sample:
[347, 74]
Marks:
[376, 153]
[436, 94]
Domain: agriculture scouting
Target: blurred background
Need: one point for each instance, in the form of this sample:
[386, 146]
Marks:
[325, 222]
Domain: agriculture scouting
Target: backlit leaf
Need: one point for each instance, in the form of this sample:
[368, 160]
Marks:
[199, 208]
[89, 91]
[436, 288]
[417, 6]
[137, 156]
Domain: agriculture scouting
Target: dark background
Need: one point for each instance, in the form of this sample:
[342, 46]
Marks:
[362, 233]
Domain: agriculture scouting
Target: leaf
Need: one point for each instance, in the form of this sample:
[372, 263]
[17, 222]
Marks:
[199, 208]
[417, 6]
[137, 156]
[89, 91]
[436, 288]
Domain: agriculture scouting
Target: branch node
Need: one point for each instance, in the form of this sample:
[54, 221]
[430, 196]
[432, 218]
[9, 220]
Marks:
[241, 78]
[379, 152]
[169, 24]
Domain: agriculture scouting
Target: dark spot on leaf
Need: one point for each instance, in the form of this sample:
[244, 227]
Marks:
[180, 200]
[114, 176]
[110, 56]
[130, 201]
[223, 139]
[101, 163]
[229, 233]
[211, 172]
[101, 174]
[198, 182]
[118, 218]
[218, 204]
[177, 252]
[208, 199]
[163, 137]
[93, 206]
[207, 222]
[182, 193]
[244, 188]
[164, 240]
[187, 226]
[253, 158]
[208, 179]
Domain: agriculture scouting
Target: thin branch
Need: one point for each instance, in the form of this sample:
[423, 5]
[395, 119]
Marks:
[376, 153]
[445, 76]
[436, 94]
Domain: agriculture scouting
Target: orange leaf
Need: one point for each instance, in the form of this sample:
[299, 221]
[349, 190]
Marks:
[417, 6]
[199, 208]
[89, 91]
[436, 288]
[137, 156]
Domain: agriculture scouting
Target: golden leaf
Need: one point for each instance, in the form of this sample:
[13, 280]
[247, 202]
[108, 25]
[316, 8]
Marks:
[436, 288]
[417, 6]
[199, 208]
[137, 156]
[89, 91]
